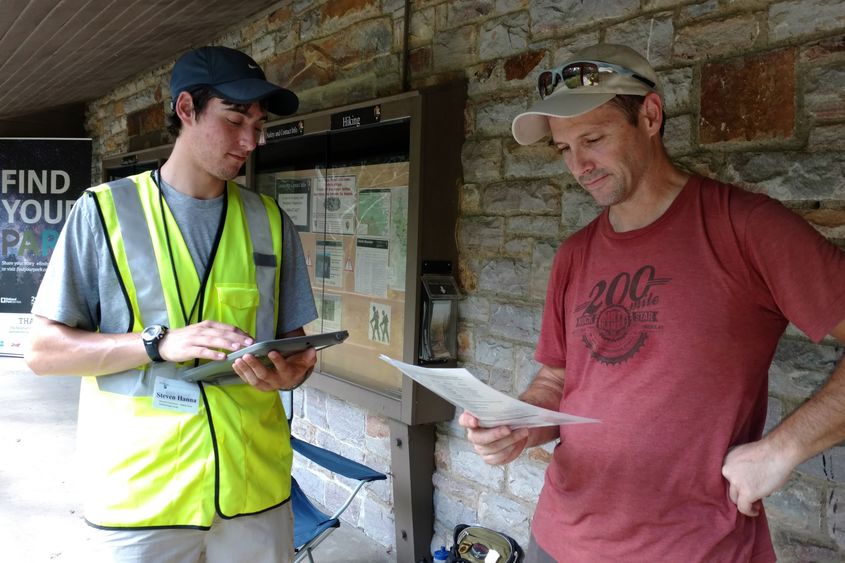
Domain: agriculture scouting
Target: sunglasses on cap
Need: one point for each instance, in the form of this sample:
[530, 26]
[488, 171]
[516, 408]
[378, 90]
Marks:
[582, 74]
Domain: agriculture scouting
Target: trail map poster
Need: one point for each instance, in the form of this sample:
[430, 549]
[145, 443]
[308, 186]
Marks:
[40, 179]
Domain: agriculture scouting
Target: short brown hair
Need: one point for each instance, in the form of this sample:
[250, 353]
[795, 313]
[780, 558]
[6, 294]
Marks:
[200, 97]
[630, 106]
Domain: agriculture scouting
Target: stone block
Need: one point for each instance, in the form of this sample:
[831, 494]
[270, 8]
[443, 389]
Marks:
[532, 225]
[532, 161]
[563, 17]
[517, 67]
[748, 99]
[800, 18]
[315, 407]
[422, 27]
[470, 202]
[345, 421]
[504, 514]
[461, 12]
[455, 49]
[525, 478]
[572, 45]
[578, 208]
[823, 51]
[486, 233]
[791, 176]
[518, 197]
[824, 99]
[796, 506]
[505, 276]
[420, 60]
[828, 465]
[512, 321]
[281, 18]
[494, 353]
[519, 247]
[146, 121]
[377, 441]
[139, 102]
[503, 37]
[541, 265]
[650, 5]
[494, 118]
[469, 465]
[474, 308]
[678, 135]
[711, 39]
[677, 86]
[836, 516]
[484, 78]
[502, 379]
[337, 15]
[357, 43]
[337, 491]
[827, 137]
[526, 367]
[482, 160]
[793, 547]
[651, 36]
[800, 367]
[377, 522]
[774, 414]
[698, 10]
[312, 484]
[451, 511]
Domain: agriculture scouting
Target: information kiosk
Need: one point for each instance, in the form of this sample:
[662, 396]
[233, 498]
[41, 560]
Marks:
[373, 190]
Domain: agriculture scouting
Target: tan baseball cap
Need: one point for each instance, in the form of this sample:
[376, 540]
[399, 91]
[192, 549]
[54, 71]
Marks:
[533, 125]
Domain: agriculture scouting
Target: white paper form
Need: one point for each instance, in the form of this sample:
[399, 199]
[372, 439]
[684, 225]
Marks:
[490, 407]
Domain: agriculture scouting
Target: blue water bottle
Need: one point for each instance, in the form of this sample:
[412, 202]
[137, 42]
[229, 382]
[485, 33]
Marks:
[441, 555]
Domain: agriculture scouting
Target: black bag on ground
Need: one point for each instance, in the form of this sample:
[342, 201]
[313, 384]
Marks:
[472, 544]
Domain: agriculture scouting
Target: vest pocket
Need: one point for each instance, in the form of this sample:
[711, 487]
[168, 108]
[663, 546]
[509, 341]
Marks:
[237, 303]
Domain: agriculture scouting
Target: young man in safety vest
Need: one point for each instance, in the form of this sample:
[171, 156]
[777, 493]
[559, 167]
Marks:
[153, 274]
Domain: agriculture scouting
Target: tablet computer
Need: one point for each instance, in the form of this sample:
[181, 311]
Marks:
[286, 346]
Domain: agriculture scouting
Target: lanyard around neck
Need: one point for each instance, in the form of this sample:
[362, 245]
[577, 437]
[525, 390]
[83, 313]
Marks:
[186, 315]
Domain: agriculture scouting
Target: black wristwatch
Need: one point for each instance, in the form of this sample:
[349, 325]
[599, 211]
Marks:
[151, 336]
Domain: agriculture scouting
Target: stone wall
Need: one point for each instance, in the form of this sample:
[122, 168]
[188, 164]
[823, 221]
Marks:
[754, 96]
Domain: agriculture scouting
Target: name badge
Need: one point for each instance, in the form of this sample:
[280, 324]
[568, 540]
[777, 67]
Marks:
[175, 395]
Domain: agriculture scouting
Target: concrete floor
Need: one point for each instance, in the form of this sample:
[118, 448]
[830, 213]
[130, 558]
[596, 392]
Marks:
[40, 515]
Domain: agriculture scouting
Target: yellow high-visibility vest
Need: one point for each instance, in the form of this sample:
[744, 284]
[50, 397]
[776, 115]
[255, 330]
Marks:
[148, 467]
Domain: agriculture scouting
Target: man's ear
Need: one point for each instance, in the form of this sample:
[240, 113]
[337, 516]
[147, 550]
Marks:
[652, 112]
[184, 107]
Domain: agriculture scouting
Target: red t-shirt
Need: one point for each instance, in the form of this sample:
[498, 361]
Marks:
[667, 333]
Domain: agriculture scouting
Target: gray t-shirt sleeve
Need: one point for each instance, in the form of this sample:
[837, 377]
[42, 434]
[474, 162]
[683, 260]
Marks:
[70, 290]
[297, 307]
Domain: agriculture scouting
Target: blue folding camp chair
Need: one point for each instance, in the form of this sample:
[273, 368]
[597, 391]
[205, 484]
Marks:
[310, 524]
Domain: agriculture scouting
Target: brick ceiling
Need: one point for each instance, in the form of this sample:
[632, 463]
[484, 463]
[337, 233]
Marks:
[59, 52]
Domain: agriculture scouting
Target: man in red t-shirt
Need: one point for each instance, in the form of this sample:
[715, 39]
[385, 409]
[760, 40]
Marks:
[662, 317]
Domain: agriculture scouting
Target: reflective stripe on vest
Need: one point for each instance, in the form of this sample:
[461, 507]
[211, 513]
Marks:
[154, 468]
[150, 300]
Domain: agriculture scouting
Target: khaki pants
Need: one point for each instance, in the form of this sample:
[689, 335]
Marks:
[262, 538]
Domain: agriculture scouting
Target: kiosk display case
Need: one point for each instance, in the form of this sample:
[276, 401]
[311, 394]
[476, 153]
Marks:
[373, 191]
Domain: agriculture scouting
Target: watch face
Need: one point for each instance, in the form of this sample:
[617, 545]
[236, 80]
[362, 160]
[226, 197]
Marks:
[152, 332]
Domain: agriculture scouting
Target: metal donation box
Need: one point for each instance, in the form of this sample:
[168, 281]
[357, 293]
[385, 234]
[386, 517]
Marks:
[373, 190]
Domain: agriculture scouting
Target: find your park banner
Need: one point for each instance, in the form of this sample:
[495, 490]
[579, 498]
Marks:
[40, 179]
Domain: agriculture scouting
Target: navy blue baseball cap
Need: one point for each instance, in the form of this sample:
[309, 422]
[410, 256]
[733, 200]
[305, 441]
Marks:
[231, 75]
